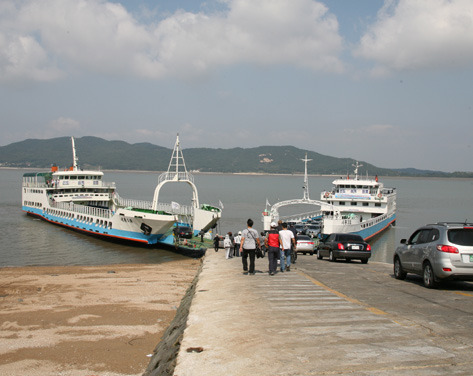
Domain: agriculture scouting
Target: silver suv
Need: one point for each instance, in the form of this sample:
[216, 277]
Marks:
[437, 252]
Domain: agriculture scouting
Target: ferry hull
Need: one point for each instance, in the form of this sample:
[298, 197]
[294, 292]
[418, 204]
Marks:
[96, 230]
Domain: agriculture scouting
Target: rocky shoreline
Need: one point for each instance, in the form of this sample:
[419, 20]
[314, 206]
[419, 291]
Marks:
[164, 359]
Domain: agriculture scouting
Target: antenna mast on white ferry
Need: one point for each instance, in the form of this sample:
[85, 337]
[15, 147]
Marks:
[75, 160]
[177, 163]
[306, 180]
[357, 165]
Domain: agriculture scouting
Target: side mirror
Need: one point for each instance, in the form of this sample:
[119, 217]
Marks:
[403, 241]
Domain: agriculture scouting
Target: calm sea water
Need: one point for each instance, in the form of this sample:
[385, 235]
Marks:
[28, 241]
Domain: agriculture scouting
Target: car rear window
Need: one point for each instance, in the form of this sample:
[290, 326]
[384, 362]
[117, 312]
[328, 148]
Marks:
[461, 236]
[349, 237]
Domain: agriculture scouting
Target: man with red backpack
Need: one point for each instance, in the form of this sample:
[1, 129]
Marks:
[272, 245]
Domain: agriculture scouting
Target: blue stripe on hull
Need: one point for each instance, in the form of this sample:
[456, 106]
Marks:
[93, 229]
[372, 231]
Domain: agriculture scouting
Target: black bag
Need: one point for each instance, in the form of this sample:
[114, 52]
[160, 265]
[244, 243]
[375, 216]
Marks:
[258, 251]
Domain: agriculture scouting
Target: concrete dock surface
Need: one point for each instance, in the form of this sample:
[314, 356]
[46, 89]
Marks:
[324, 318]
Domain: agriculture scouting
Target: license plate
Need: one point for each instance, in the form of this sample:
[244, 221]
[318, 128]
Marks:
[356, 247]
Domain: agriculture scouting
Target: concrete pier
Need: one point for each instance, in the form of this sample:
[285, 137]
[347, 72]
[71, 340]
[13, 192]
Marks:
[323, 318]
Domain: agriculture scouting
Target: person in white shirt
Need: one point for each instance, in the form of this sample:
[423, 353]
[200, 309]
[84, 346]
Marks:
[237, 244]
[227, 244]
[287, 240]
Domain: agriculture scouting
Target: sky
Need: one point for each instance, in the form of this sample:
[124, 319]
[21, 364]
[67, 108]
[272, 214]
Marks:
[385, 82]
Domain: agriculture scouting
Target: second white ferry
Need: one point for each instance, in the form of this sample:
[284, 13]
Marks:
[362, 206]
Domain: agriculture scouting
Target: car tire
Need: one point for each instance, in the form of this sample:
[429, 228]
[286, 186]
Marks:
[364, 261]
[331, 257]
[428, 275]
[311, 253]
[304, 253]
[348, 259]
[319, 255]
[399, 272]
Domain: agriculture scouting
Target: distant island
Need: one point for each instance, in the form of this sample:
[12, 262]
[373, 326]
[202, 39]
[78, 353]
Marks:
[94, 152]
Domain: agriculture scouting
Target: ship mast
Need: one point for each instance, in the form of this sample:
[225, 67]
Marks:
[177, 160]
[356, 165]
[306, 180]
[75, 160]
[176, 173]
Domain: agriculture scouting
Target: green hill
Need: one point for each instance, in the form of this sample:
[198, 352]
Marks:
[94, 152]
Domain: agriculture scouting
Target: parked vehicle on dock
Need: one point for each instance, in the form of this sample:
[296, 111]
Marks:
[183, 232]
[305, 244]
[346, 246]
[299, 228]
[437, 252]
[312, 230]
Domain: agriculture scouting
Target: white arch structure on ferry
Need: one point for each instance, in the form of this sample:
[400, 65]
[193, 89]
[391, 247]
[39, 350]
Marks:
[305, 200]
[275, 208]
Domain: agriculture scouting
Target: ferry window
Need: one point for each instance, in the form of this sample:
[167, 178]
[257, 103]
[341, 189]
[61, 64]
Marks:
[366, 203]
[354, 203]
[342, 203]
[377, 204]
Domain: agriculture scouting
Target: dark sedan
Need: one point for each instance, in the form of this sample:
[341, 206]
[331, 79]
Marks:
[346, 246]
[183, 232]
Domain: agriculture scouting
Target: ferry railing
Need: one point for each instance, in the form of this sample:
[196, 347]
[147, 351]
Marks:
[139, 204]
[34, 185]
[173, 176]
[81, 209]
[148, 205]
[301, 216]
[356, 220]
[174, 209]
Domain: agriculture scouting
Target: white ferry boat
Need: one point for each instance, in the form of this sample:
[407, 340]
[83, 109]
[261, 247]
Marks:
[360, 206]
[356, 205]
[80, 200]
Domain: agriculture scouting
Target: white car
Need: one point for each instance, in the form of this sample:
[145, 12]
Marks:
[305, 244]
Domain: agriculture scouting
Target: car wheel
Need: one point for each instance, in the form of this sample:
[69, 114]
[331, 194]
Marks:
[319, 255]
[304, 253]
[399, 272]
[331, 257]
[348, 259]
[364, 261]
[311, 253]
[429, 276]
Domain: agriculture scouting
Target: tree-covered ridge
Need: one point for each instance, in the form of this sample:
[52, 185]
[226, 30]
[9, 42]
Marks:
[94, 152]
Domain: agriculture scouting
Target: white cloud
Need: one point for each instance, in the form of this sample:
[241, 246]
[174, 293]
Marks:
[39, 39]
[65, 126]
[419, 34]
[374, 130]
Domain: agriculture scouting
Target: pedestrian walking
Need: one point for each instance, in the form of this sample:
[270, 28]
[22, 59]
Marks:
[237, 244]
[287, 241]
[227, 244]
[216, 241]
[249, 241]
[232, 239]
[272, 244]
